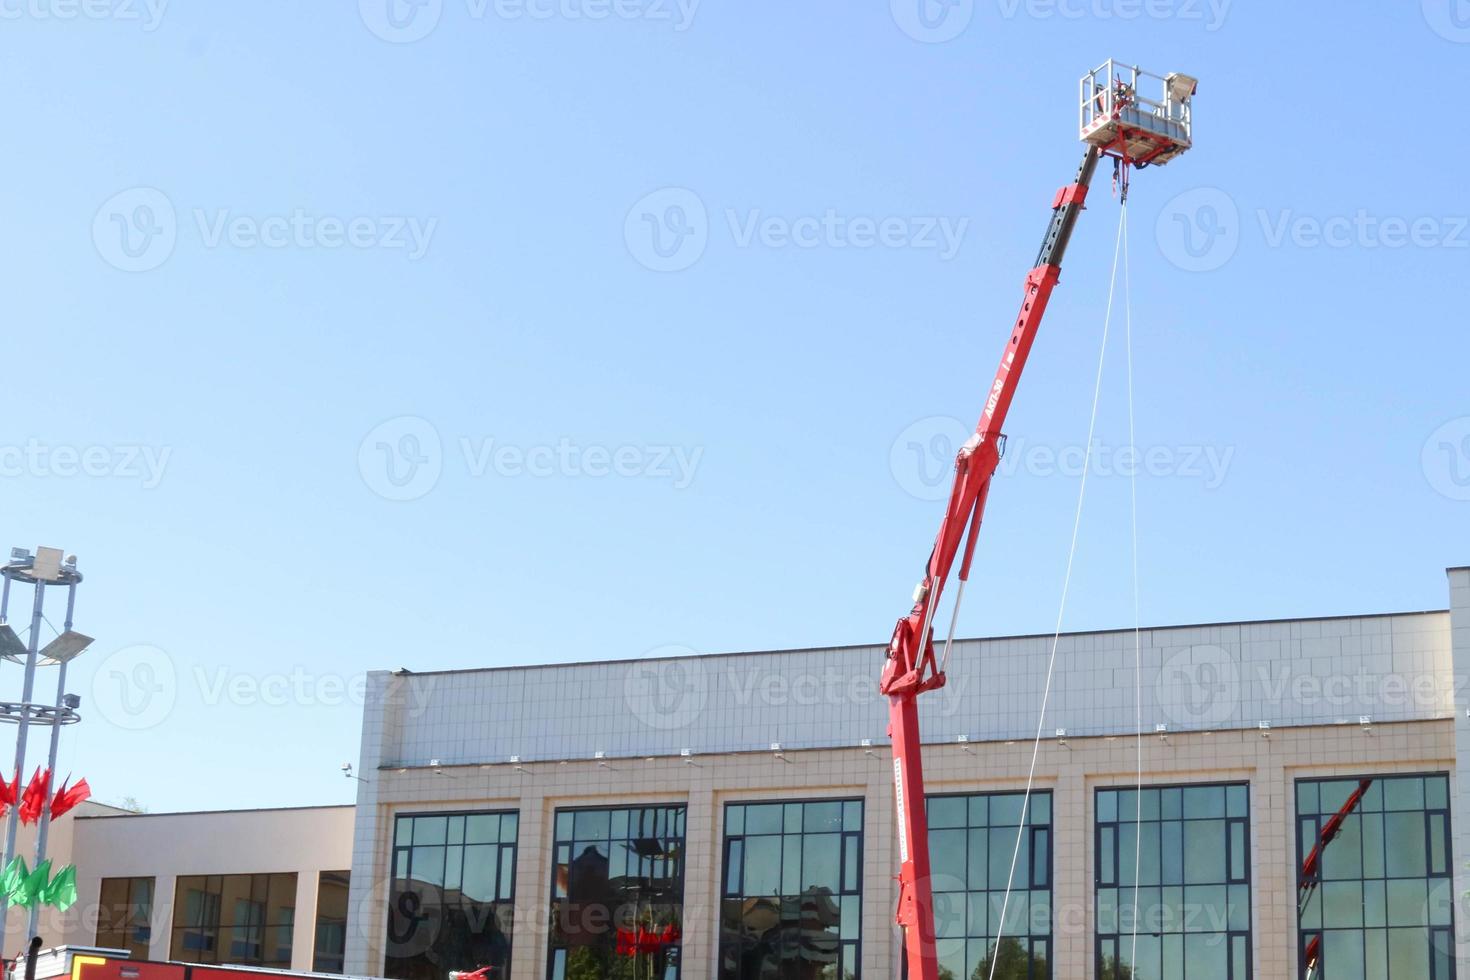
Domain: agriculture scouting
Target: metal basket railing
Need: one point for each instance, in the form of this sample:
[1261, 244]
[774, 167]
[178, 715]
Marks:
[1110, 90]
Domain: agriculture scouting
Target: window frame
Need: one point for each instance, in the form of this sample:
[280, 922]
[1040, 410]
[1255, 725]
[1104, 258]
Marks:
[130, 916]
[1230, 936]
[556, 841]
[1436, 933]
[394, 849]
[724, 894]
[339, 958]
[210, 930]
[1048, 885]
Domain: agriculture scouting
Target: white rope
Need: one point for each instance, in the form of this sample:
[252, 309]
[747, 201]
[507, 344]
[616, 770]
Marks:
[1061, 612]
[1137, 636]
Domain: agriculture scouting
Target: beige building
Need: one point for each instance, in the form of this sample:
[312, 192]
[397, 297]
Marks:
[731, 816]
[61, 847]
[267, 887]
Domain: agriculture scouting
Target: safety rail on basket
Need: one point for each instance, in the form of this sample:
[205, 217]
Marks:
[1134, 116]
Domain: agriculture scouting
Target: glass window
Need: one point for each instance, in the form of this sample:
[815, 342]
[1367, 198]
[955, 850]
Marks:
[792, 889]
[617, 907]
[124, 914]
[1173, 882]
[450, 905]
[245, 919]
[975, 841]
[331, 921]
[1373, 877]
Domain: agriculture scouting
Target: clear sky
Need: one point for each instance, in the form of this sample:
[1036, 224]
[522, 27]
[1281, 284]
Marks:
[491, 332]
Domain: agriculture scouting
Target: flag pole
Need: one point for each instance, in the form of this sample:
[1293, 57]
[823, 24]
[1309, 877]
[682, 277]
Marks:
[44, 828]
[28, 688]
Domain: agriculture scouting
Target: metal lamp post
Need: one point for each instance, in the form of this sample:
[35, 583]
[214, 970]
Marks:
[47, 568]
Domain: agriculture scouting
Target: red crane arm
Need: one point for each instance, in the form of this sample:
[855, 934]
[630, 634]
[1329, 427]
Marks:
[910, 667]
[1330, 830]
[1312, 865]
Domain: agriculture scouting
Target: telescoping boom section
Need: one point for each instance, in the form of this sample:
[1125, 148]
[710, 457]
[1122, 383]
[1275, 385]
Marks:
[1132, 130]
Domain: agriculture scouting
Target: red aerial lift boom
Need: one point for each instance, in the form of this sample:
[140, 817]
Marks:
[1118, 122]
[1311, 873]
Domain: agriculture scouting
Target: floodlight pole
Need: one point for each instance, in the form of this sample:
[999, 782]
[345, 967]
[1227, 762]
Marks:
[44, 828]
[28, 688]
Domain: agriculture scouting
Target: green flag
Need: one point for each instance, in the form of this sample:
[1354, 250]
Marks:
[28, 892]
[62, 892]
[15, 872]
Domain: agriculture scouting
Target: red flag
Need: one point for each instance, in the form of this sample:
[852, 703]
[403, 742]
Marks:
[33, 800]
[9, 792]
[68, 797]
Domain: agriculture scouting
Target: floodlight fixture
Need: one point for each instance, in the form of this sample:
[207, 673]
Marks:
[65, 648]
[47, 564]
[1181, 86]
[11, 647]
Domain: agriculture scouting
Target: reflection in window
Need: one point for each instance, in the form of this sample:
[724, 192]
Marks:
[453, 888]
[972, 843]
[792, 897]
[331, 921]
[245, 919]
[123, 915]
[1191, 848]
[617, 894]
[1378, 901]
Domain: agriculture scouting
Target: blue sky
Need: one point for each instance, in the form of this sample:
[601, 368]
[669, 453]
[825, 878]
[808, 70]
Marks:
[270, 267]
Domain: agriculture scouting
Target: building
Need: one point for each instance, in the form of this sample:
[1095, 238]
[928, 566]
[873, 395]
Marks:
[652, 787]
[60, 846]
[732, 815]
[208, 887]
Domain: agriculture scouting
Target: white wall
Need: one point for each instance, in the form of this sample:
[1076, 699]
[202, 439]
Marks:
[1198, 678]
[1460, 808]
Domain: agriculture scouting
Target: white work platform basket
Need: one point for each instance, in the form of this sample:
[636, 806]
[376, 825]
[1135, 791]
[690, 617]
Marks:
[1136, 116]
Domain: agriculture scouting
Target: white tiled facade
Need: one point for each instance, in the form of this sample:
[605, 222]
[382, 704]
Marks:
[701, 730]
[1194, 678]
